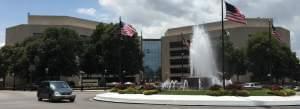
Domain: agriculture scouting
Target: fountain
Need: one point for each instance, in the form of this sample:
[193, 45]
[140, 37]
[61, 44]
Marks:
[204, 72]
[202, 60]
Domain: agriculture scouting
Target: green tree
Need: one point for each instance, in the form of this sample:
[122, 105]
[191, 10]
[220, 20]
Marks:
[121, 55]
[270, 56]
[59, 50]
[239, 63]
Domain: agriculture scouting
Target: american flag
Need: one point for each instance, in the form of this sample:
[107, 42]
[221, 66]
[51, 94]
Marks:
[275, 33]
[127, 30]
[233, 14]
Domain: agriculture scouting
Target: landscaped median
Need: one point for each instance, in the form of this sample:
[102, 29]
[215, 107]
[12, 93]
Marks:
[199, 99]
[233, 95]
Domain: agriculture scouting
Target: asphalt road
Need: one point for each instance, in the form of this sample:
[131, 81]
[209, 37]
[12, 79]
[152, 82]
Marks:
[28, 100]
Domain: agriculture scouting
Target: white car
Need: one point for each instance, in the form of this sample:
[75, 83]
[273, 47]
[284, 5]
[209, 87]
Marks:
[252, 85]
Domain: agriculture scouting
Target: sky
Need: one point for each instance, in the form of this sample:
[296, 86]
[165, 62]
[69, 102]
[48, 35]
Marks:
[152, 17]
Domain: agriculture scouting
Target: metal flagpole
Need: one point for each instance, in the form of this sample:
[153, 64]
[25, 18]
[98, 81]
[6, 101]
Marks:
[142, 50]
[269, 51]
[223, 73]
[119, 50]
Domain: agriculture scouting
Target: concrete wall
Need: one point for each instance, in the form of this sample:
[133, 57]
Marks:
[61, 20]
[21, 32]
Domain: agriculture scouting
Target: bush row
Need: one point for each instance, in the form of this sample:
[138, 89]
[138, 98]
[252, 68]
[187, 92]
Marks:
[283, 92]
[147, 89]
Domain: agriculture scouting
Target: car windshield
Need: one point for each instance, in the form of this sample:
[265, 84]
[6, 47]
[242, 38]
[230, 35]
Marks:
[56, 85]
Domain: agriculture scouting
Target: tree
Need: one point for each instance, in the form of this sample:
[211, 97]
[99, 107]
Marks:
[120, 54]
[228, 53]
[269, 57]
[59, 49]
[239, 63]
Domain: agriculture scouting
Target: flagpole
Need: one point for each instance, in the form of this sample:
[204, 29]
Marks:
[223, 73]
[142, 50]
[119, 50]
[269, 51]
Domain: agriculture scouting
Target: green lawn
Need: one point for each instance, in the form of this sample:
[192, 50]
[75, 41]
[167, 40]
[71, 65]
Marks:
[257, 92]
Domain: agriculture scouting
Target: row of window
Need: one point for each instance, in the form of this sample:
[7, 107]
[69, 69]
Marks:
[179, 61]
[184, 52]
[179, 44]
[180, 70]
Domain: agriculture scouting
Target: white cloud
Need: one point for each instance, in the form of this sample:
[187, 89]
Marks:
[155, 16]
[87, 11]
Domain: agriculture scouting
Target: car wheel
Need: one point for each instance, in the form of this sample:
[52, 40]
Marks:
[50, 98]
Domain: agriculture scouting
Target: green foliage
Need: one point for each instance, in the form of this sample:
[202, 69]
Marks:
[265, 54]
[119, 53]
[183, 92]
[58, 48]
[234, 87]
[215, 87]
[150, 92]
[217, 92]
[149, 86]
[283, 92]
[114, 89]
[240, 93]
[130, 90]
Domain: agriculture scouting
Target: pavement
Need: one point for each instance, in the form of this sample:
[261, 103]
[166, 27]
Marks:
[28, 100]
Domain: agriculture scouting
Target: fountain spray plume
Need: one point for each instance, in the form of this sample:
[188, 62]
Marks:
[202, 57]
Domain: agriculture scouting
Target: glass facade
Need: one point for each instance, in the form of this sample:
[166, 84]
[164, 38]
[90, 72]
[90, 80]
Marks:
[152, 59]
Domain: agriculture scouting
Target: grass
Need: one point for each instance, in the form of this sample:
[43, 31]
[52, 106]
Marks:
[259, 92]
[253, 92]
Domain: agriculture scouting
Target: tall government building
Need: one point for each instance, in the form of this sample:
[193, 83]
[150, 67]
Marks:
[175, 56]
[37, 24]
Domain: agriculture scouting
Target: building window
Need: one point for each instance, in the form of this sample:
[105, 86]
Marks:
[177, 44]
[179, 61]
[179, 52]
[180, 70]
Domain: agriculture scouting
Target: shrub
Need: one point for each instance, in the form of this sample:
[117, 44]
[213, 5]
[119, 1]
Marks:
[290, 92]
[276, 87]
[129, 90]
[121, 91]
[149, 87]
[242, 93]
[113, 89]
[234, 87]
[150, 92]
[121, 86]
[278, 92]
[215, 88]
[217, 92]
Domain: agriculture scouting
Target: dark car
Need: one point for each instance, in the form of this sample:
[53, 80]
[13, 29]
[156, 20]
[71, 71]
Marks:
[55, 91]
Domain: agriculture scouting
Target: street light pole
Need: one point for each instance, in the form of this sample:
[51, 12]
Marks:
[14, 81]
[105, 71]
[81, 82]
[46, 71]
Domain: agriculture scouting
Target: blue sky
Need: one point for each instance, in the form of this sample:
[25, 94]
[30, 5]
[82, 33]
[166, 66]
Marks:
[153, 17]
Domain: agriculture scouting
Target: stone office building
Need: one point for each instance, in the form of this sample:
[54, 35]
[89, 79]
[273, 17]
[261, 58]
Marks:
[175, 56]
[37, 25]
